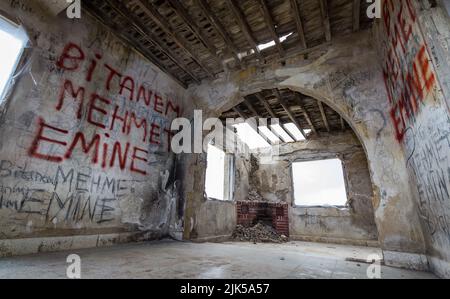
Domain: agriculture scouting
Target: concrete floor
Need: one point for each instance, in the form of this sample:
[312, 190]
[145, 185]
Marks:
[170, 259]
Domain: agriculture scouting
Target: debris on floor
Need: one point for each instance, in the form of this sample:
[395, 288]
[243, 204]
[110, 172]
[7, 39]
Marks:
[260, 233]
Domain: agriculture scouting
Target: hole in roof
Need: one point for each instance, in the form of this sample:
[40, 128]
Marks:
[272, 43]
[282, 133]
[250, 137]
[269, 134]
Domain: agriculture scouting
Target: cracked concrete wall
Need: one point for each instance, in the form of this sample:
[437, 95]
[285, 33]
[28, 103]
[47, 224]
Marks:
[274, 183]
[348, 77]
[84, 146]
[416, 66]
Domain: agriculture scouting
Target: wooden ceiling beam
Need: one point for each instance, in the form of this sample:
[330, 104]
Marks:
[217, 25]
[149, 36]
[273, 115]
[190, 22]
[271, 25]
[252, 108]
[137, 47]
[299, 23]
[325, 19]
[306, 114]
[289, 113]
[324, 116]
[243, 25]
[342, 123]
[266, 105]
[244, 116]
[240, 112]
[161, 22]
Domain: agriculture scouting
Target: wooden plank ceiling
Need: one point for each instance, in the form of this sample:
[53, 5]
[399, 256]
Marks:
[310, 116]
[192, 40]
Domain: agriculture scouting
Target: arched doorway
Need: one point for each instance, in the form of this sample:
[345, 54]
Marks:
[303, 129]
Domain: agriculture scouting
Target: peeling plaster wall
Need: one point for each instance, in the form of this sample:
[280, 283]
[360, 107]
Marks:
[348, 77]
[417, 73]
[126, 182]
[206, 219]
[274, 182]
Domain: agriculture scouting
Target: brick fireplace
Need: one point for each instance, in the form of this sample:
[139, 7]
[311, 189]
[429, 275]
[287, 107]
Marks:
[275, 214]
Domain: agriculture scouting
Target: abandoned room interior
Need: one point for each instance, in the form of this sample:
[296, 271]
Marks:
[225, 139]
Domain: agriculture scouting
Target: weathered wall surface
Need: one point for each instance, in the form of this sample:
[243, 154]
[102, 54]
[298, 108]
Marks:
[84, 142]
[347, 77]
[416, 58]
[274, 183]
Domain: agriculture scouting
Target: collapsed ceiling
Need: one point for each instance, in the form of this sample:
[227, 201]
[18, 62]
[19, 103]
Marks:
[192, 40]
[310, 116]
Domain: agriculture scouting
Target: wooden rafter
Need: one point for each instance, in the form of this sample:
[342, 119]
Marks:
[325, 19]
[266, 105]
[271, 25]
[342, 123]
[243, 25]
[243, 115]
[306, 114]
[190, 22]
[324, 116]
[299, 23]
[252, 108]
[272, 114]
[153, 13]
[217, 25]
[240, 112]
[149, 36]
[288, 111]
[356, 14]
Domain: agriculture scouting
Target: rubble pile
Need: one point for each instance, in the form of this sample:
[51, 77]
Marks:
[260, 233]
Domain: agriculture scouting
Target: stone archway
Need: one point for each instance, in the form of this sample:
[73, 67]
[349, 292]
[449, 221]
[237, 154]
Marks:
[347, 78]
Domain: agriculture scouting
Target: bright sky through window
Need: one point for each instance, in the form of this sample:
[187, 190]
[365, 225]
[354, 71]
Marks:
[319, 183]
[215, 173]
[10, 51]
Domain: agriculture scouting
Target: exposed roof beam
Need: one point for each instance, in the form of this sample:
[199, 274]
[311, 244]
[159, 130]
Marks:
[190, 22]
[240, 112]
[266, 105]
[324, 116]
[288, 132]
[342, 124]
[243, 25]
[276, 133]
[144, 52]
[325, 18]
[274, 116]
[299, 23]
[356, 14]
[252, 108]
[270, 24]
[149, 36]
[289, 113]
[215, 22]
[153, 13]
[306, 114]
[243, 115]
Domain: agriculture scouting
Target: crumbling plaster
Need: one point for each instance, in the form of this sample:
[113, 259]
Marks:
[274, 183]
[347, 77]
[49, 200]
[409, 176]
